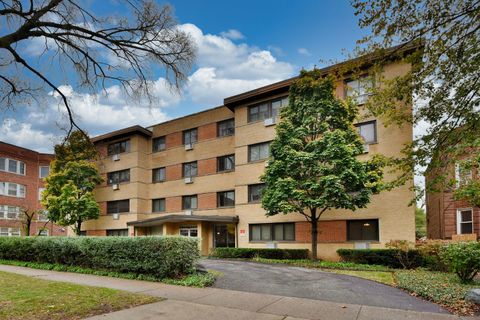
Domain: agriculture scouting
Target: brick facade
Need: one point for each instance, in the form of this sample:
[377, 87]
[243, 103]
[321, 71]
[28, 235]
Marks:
[328, 231]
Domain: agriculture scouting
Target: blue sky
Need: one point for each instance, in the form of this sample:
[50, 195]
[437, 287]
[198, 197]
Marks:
[241, 45]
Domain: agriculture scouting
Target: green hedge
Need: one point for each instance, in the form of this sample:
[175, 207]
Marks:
[384, 257]
[158, 256]
[249, 253]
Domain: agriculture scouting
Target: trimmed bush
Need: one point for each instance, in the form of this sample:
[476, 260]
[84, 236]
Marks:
[158, 256]
[384, 257]
[250, 253]
[463, 258]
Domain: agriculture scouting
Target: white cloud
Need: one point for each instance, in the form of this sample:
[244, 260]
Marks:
[232, 34]
[304, 51]
[22, 134]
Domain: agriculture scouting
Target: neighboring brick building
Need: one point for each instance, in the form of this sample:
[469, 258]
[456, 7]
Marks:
[199, 175]
[447, 217]
[21, 181]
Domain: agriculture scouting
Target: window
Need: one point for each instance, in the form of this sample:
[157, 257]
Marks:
[159, 174]
[12, 166]
[118, 176]
[272, 231]
[255, 192]
[117, 233]
[362, 230]
[188, 231]
[118, 147]
[190, 169]
[10, 212]
[258, 151]
[9, 232]
[44, 171]
[226, 199]
[40, 191]
[189, 202]
[12, 189]
[226, 163]
[42, 215]
[368, 131]
[190, 136]
[359, 89]
[464, 221]
[463, 174]
[43, 233]
[158, 205]
[265, 110]
[226, 128]
[158, 144]
[118, 206]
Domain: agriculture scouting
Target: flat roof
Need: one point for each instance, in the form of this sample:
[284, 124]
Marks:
[122, 132]
[26, 149]
[181, 218]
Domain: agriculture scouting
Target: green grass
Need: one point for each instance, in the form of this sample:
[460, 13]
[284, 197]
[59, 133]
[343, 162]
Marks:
[195, 280]
[325, 264]
[23, 297]
[439, 287]
[385, 277]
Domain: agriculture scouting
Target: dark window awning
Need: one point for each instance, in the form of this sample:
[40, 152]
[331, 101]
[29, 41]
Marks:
[181, 218]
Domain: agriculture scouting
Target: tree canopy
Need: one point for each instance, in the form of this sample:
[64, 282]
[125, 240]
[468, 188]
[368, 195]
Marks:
[314, 166]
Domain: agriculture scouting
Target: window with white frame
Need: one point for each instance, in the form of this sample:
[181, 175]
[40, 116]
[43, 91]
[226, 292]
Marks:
[188, 231]
[9, 212]
[40, 191]
[12, 189]
[43, 171]
[12, 166]
[359, 89]
[465, 221]
[463, 174]
[9, 232]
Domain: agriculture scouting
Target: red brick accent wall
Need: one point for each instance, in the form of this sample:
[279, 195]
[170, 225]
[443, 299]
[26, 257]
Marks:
[208, 131]
[207, 166]
[207, 200]
[174, 172]
[173, 204]
[450, 215]
[174, 139]
[96, 233]
[328, 231]
[103, 207]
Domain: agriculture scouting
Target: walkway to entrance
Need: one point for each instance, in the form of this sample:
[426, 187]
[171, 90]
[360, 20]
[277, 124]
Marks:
[312, 284]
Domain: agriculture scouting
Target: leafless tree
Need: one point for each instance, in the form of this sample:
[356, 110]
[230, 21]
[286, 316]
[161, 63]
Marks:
[100, 49]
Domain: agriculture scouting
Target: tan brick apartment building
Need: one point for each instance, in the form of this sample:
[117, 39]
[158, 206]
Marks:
[448, 218]
[199, 176]
[21, 181]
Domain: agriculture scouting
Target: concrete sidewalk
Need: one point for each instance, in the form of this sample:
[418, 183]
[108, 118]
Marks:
[210, 303]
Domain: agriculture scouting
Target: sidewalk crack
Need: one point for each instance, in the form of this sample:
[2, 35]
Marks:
[280, 298]
[358, 313]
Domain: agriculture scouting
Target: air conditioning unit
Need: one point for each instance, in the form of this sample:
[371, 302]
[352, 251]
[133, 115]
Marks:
[115, 157]
[269, 122]
[271, 245]
[115, 186]
[188, 180]
[366, 148]
[188, 212]
[189, 146]
[115, 216]
[362, 245]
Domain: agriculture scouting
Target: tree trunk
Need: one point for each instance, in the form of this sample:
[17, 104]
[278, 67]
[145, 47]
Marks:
[78, 229]
[314, 224]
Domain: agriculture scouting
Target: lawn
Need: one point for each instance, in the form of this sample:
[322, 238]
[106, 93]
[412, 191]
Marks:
[23, 297]
[385, 277]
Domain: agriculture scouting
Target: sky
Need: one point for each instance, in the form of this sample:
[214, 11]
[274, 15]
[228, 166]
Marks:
[241, 45]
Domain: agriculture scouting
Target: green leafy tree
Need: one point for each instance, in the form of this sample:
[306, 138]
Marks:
[420, 223]
[470, 191]
[314, 165]
[77, 146]
[444, 80]
[68, 194]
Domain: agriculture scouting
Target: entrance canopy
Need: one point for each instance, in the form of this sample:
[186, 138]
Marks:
[181, 218]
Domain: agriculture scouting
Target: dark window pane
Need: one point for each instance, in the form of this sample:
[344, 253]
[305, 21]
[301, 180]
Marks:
[226, 163]
[190, 169]
[190, 136]
[226, 199]
[258, 151]
[158, 175]
[158, 144]
[158, 205]
[255, 192]
[118, 206]
[466, 228]
[289, 232]
[226, 128]
[189, 202]
[255, 233]
[117, 233]
[362, 230]
[118, 176]
[266, 232]
[118, 147]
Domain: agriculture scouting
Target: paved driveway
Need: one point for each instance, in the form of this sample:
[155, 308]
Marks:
[312, 284]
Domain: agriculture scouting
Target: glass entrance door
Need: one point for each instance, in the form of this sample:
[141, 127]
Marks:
[224, 236]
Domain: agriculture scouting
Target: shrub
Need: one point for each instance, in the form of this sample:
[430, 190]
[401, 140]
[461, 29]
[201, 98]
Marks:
[249, 253]
[405, 253]
[384, 257]
[430, 251]
[158, 256]
[463, 258]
